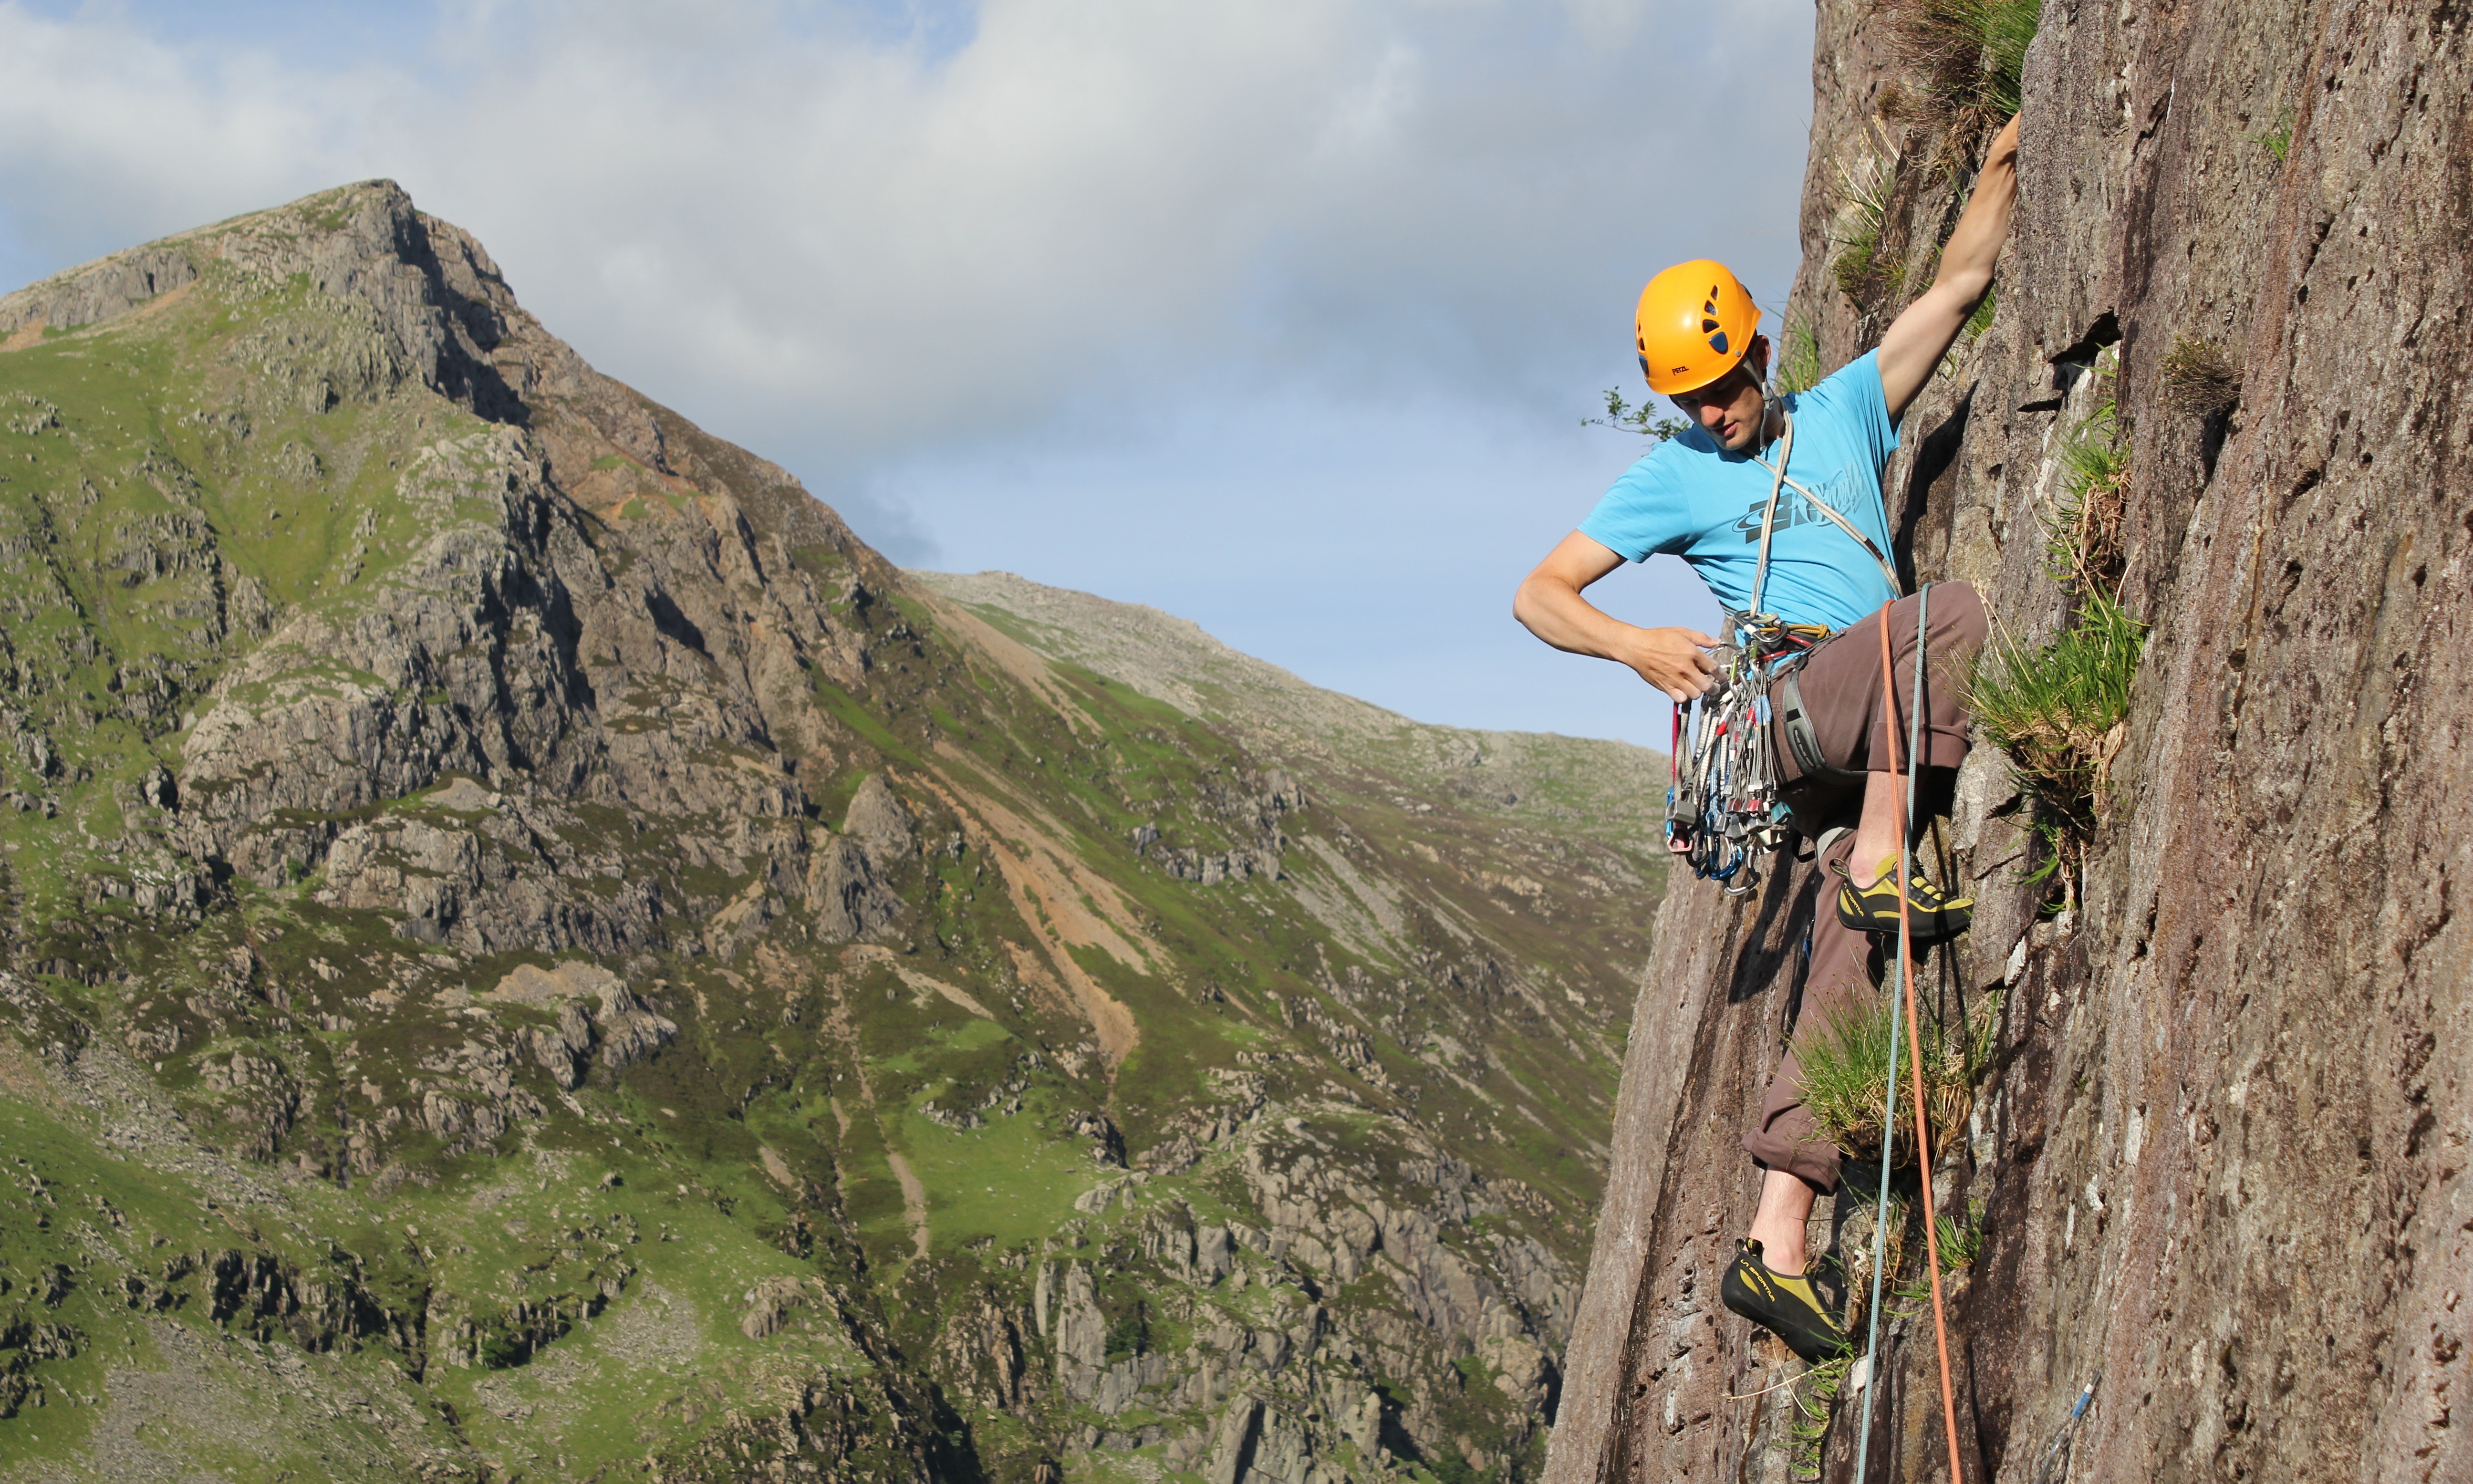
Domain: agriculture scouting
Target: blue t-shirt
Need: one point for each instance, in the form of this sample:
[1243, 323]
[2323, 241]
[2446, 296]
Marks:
[1692, 499]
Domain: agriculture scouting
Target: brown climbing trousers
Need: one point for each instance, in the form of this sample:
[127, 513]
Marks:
[1842, 689]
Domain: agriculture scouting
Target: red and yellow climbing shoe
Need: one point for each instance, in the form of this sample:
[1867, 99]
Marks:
[1788, 1308]
[1874, 908]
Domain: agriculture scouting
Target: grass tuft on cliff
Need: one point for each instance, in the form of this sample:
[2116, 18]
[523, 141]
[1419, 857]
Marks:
[1846, 1075]
[2060, 710]
[2199, 380]
[1799, 356]
[1968, 55]
[1865, 193]
[2083, 545]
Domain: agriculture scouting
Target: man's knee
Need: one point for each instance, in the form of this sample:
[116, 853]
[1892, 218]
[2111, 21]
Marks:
[1958, 615]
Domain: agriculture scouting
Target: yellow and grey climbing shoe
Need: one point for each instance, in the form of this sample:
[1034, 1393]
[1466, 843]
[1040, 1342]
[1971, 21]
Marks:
[1874, 908]
[1788, 1308]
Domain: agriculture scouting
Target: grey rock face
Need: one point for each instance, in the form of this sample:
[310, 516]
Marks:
[877, 821]
[2246, 1035]
[1081, 1335]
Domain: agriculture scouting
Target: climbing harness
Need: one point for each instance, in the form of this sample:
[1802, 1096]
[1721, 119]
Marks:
[1721, 805]
[1724, 805]
[1905, 779]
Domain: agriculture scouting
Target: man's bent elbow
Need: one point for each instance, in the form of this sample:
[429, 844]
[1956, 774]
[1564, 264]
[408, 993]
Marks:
[1523, 603]
[1533, 603]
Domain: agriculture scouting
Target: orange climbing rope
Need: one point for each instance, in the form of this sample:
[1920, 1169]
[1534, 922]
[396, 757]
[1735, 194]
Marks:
[1915, 1061]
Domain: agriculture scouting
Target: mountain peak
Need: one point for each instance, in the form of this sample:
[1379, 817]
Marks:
[579, 958]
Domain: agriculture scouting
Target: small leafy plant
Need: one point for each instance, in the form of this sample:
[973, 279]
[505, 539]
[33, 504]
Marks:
[1622, 416]
[1960, 1242]
[2277, 138]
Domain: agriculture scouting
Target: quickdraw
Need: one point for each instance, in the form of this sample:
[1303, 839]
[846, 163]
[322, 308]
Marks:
[1723, 806]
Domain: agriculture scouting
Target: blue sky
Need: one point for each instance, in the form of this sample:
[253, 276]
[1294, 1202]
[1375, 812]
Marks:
[1281, 317]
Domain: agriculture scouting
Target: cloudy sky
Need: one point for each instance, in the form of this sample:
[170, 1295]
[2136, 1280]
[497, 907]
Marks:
[1281, 315]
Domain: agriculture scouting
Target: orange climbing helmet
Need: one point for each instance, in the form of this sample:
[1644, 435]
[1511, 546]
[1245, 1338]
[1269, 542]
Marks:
[1696, 322]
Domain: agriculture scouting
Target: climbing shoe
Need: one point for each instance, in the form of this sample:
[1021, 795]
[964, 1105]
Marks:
[1874, 908]
[1788, 1308]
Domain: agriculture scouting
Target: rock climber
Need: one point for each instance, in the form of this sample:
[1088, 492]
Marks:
[1702, 495]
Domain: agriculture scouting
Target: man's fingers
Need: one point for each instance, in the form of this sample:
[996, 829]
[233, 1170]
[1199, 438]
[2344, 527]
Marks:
[1683, 688]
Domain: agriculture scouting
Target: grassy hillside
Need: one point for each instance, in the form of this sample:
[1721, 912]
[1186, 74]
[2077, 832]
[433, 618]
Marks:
[1547, 787]
[533, 953]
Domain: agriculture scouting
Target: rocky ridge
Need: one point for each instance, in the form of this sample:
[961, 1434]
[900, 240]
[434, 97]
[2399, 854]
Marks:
[1553, 786]
[532, 952]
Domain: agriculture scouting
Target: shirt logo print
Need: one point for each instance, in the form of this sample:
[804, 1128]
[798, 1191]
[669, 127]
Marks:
[1793, 510]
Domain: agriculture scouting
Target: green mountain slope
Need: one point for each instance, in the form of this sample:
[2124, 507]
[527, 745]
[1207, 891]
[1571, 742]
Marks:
[1547, 787]
[534, 953]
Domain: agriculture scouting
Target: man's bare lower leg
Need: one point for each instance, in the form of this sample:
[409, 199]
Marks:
[1786, 1206]
[1878, 835]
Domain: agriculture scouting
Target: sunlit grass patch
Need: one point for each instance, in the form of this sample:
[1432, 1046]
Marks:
[1846, 1076]
[2060, 710]
[1968, 57]
[1012, 1180]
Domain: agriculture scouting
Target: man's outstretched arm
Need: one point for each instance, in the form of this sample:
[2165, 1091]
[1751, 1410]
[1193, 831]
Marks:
[1923, 334]
[1549, 603]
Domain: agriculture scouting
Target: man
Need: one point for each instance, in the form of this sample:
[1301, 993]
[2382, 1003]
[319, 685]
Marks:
[1702, 495]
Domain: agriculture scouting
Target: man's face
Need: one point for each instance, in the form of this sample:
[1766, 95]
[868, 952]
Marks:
[1729, 408]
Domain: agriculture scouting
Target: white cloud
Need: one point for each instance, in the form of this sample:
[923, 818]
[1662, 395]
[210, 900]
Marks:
[982, 245]
[865, 245]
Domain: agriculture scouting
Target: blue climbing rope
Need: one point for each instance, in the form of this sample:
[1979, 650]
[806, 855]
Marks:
[1889, 1114]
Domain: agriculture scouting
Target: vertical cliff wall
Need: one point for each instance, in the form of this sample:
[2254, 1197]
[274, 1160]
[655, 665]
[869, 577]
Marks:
[2221, 1152]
